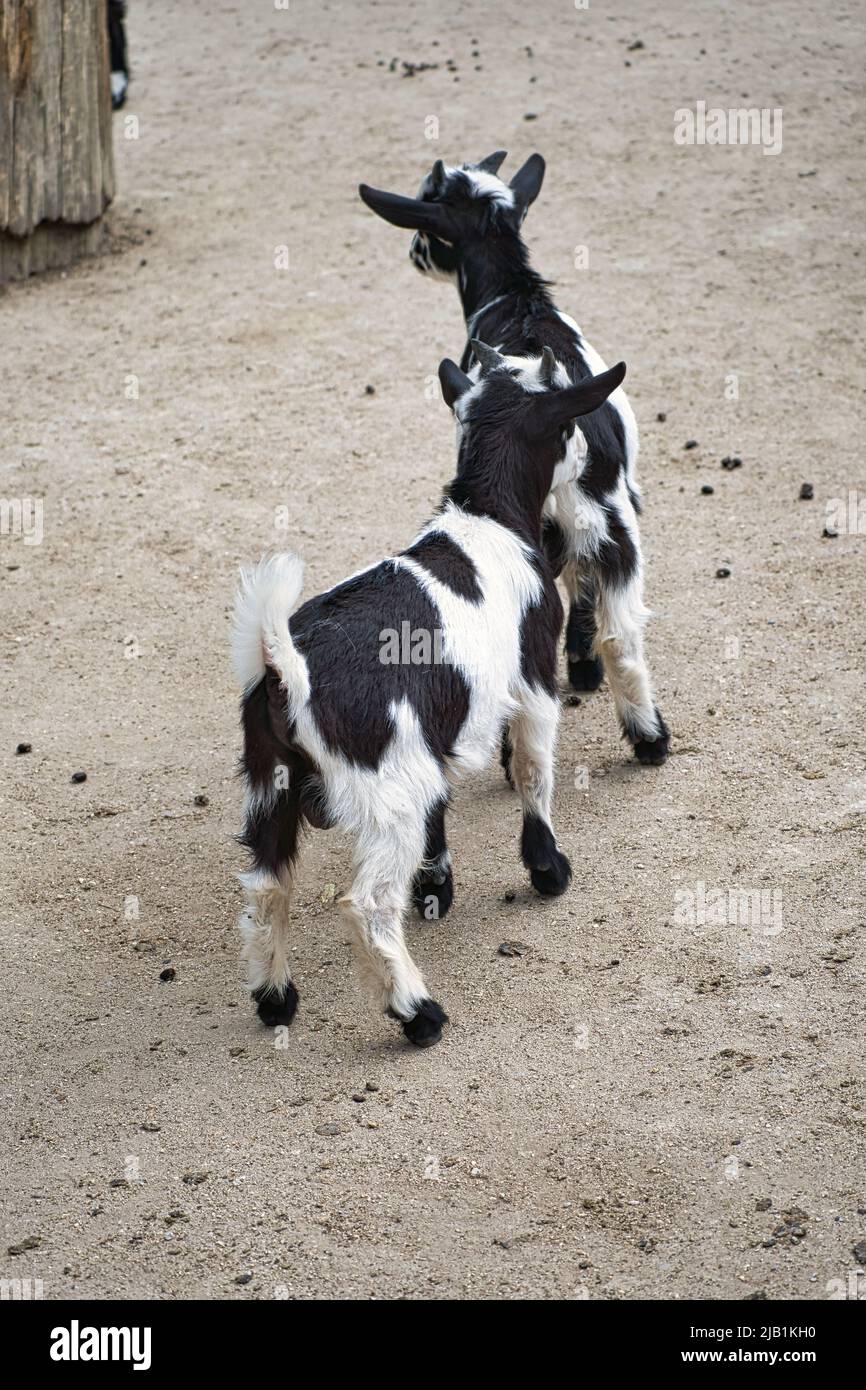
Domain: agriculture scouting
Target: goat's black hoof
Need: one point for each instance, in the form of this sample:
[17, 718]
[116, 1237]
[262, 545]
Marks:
[554, 878]
[652, 752]
[425, 1029]
[548, 867]
[432, 900]
[275, 1006]
[585, 673]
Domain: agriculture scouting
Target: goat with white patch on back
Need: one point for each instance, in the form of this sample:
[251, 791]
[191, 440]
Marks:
[337, 732]
[467, 224]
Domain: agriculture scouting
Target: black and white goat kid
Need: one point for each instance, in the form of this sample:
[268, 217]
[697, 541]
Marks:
[337, 732]
[467, 225]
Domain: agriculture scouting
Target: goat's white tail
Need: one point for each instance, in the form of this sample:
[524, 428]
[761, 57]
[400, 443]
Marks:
[267, 594]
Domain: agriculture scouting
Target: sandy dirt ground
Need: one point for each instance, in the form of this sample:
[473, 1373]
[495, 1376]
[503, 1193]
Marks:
[647, 1103]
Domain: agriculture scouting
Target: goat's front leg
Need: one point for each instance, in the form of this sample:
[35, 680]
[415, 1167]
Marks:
[533, 743]
[374, 909]
[433, 885]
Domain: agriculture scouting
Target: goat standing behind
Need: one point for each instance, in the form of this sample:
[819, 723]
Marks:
[467, 224]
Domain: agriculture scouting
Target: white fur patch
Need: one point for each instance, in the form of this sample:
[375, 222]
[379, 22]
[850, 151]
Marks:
[618, 398]
[486, 185]
[533, 740]
[264, 927]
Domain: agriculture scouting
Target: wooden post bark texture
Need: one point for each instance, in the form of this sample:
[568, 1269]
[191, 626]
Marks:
[56, 155]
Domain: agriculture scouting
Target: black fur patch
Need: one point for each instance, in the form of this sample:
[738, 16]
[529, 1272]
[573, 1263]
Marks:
[432, 889]
[340, 635]
[448, 563]
[585, 672]
[539, 633]
[548, 867]
[555, 545]
[505, 752]
[271, 829]
[580, 632]
[617, 556]
[264, 744]
[502, 472]
[432, 900]
[428, 251]
[271, 835]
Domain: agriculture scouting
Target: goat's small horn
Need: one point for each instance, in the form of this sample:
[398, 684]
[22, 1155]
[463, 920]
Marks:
[438, 173]
[548, 366]
[489, 358]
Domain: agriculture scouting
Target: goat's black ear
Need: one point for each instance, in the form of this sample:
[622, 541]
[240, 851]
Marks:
[492, 163]
[526, 184]
[454, 383]
[409, 212]
[554, 409]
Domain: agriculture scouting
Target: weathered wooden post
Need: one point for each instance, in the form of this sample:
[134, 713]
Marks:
[56, 156]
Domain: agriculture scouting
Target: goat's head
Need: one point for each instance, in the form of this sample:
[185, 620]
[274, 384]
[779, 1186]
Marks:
[459, 208]
[522, 410]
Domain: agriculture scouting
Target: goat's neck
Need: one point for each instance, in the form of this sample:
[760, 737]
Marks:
[513, 497]
[490, 273]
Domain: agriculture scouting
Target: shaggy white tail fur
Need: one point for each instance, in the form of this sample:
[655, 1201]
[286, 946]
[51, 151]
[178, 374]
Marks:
[266, 596]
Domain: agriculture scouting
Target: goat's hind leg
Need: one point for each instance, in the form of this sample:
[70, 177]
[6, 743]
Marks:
[374, 909]
[433, 885]
[271, 835]
[272, 822]
[621, 616]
